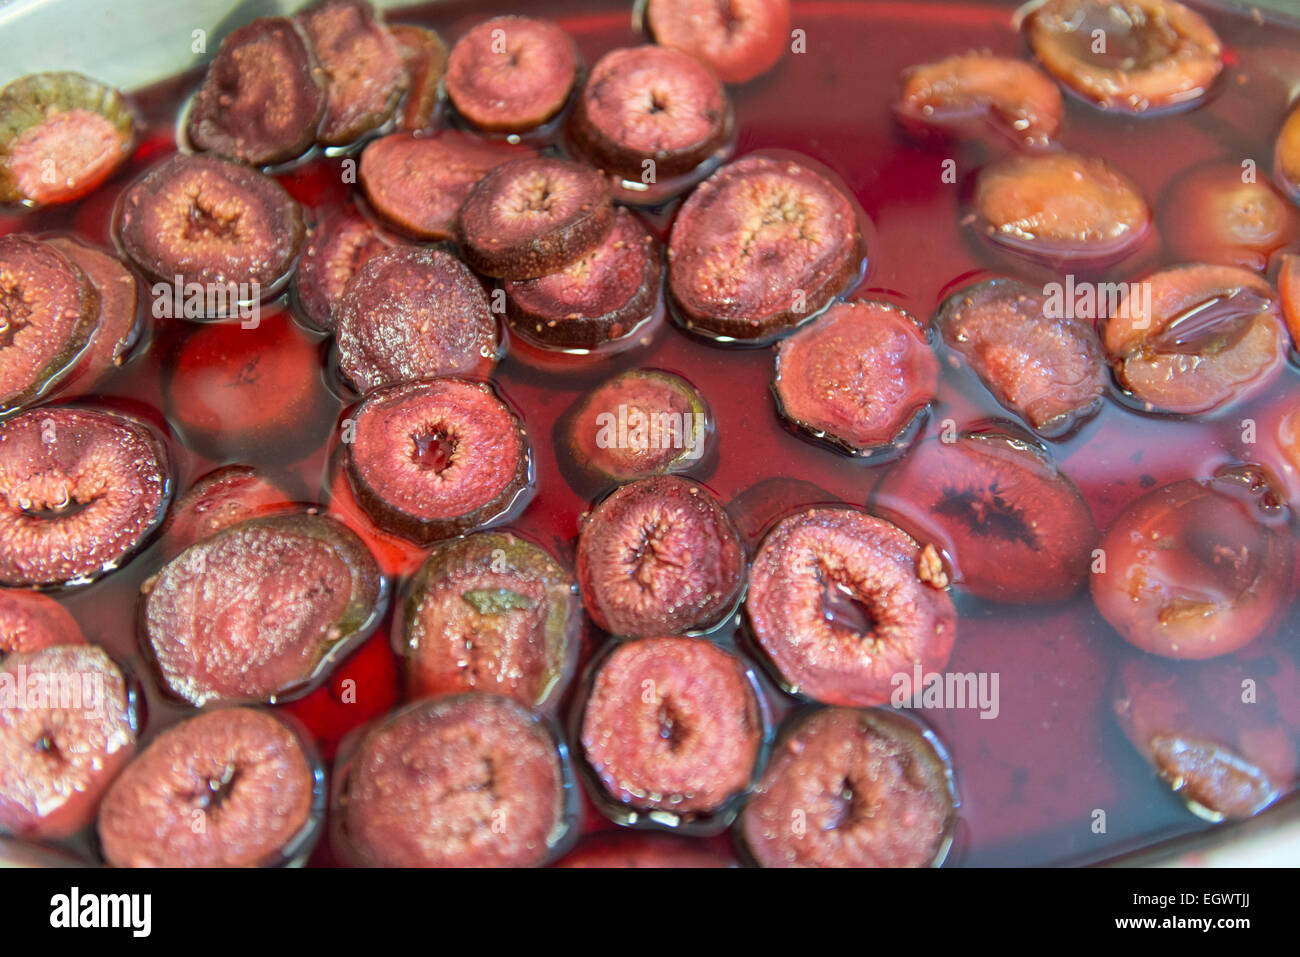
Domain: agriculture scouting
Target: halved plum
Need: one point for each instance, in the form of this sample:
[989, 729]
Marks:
[1216, 214]
[760, 246]
[1042, 363]
[841, 602]
[425, 58]
[61, 135]
[431, 459]
[1196, 569]
[1131, 56]
[1201, 336]
[418, 183]
[739, 39]
[604, 296]
[490, 612]
[861, 377]
[262, 610]
[1060, 208]
[1014, 528]
[263, 97]
[976, 93]
[336, 249]
[511, 74]
[1288, 287]
[30, 621]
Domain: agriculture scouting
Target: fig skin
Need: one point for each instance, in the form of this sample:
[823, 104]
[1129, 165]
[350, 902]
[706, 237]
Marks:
[659, 556]
[430, 459]
[424, 787]
[531, 217]
[1209, 215]
[1016, 528]
[251, 228]
[490, 613]
[30, 621]
[646, 393]
[119, 327]
[1194, 570]
[1060, 208]
[244, 772]
[1179, 357]
[601, 297]
[79, 125]
[871, 788]
[223, 497]
[424, 54]
[336, 249]
[413, 313]
[362, 64]
[974, 93]
[44, 291]
[80, 490]
[1286, 155]
[1047, 370]
[511, 74]
[263, 97]
[63, 742]
[896, 611]
[672, 725]
[861, 377]
[741, 40]
[1175, 61]
[651, 103]
[418, 183]
[1225, 758]
[739, 270]
[241, 616]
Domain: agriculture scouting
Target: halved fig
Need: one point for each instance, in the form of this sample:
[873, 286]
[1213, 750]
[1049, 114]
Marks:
[336, 249]
[1216, 214]
[659, 556]
[411, 313]
[603, 296]
[262, 610]
[198, 219]
[490, 612]
[69, 724]
[655, 105]
[638, 849]
[1201, 337]
[364, 72]
[119, 326]
[1014, 528]
[235, 389]
[1060, 208]
[1133, 56]
[1286, 155]
[672, 725]
[761, 245]
[418, 183]
[216, 501]
[30, 621]
[263, 97]
[430, 459]
[739, 39]
[48, 312]
[80, 491]
[971, 94]
[511, 74]
[235, 787]
[1036, 356]
[1224, 757]
[1196, 569]
[850, 788]
[61, 135]
[465, 781]
[640, 423]
[425, 57]
[841, 602]
[861, 377]
[531, 217]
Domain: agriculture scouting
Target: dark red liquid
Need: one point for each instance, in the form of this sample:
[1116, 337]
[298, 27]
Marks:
[1030, 780]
